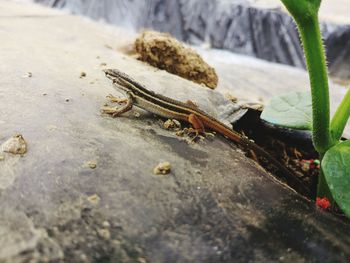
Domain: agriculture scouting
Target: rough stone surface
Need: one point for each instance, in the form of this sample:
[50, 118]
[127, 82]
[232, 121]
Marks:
[214, 205]
[256, 28]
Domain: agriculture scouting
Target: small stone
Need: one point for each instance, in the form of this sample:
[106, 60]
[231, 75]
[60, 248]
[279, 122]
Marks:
[94, 199]
[104, 233]
[162, 168]
[231, 97]
[82, 74]
[15, 145]
[67, 99]
[103, 64]
[2, 157]
[92, 164]
[172, 124]
[106, 224]
[28, 75]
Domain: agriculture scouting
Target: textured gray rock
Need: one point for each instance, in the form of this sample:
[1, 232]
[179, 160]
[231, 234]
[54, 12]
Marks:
[258, 29]
[339, 54]
[215, 205]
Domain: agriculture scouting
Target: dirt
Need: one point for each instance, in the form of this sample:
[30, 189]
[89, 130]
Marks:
[294, 151]
[163, 51]
[297, 154]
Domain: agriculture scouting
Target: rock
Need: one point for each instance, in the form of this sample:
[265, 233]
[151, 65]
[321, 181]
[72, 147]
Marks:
[255, 28]
[162, 168]
[15, 145]
[215, 205]
[165, 52]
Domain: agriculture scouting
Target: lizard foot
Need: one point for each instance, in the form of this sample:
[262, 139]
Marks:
[116, 111]
[115, 99]
[113, 111]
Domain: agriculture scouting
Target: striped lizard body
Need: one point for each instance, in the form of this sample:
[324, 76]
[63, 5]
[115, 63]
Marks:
[166, 107]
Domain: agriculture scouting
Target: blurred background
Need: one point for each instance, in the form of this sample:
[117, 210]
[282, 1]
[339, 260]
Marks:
[258, 28]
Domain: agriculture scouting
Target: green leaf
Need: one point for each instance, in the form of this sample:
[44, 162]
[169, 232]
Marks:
[336, 169]
[292, 110]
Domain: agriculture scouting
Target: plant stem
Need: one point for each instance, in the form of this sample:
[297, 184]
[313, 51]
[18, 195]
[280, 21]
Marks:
[322, 188]
[316, 63]
[305, 13]
[340, 118]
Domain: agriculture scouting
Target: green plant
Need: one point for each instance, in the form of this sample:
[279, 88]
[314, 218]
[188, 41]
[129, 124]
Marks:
[313, 113]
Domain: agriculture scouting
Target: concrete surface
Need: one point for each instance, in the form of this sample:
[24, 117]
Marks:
[214, 206]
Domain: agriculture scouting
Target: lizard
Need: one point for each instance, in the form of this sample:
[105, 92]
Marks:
[160, 105]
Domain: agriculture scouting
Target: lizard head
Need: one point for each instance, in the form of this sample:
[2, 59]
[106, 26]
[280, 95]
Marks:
[119, 78]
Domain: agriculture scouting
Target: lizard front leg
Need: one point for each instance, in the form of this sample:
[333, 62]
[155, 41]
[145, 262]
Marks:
[196, 123]
[116, 111]
[198, 126]
[115, 99]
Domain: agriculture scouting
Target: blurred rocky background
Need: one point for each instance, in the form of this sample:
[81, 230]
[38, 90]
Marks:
[258, 28]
